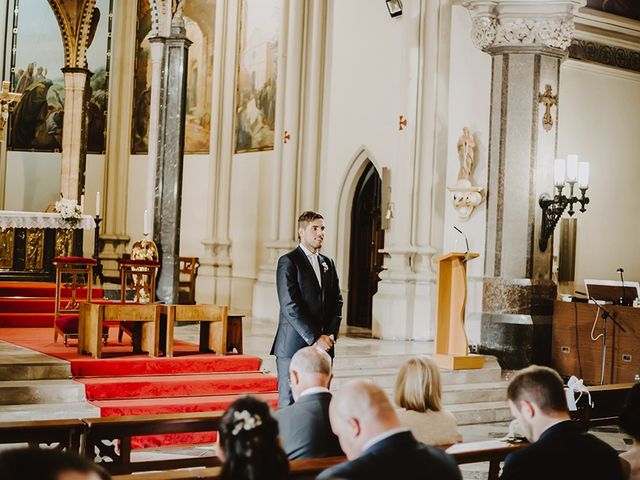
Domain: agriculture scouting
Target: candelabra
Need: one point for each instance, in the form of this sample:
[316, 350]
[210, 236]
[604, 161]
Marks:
[565, 174]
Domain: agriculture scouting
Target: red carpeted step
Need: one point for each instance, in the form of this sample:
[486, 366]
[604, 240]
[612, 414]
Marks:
[27, 305]
[194, 363]
[26, 320]
[145, 406]
[154, 387]
[39, 289]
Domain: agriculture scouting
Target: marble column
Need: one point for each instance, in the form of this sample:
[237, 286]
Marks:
[114, 237]
[527, 41]
[74, 145]
[170, 156]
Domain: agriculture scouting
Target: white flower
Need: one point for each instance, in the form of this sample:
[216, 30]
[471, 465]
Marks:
[245, 421]
[69, 210]
[325, 267]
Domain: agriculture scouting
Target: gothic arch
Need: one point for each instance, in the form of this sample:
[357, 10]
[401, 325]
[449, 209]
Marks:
[356, 168]
[77, 27]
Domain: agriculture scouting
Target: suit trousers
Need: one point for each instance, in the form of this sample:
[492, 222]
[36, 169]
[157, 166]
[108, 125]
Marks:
[285, 397]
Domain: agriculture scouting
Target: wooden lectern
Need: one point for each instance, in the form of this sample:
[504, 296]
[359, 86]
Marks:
[452, 346]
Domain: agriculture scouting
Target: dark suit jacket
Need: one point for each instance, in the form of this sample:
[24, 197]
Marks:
[564, 451]
[306, 310]
[305, 428]
[398, 456]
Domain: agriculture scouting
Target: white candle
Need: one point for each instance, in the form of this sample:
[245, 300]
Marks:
[559, 172]
[98, 209]
[146, 223]
[583, 174]
[572, 168]
[82, 203]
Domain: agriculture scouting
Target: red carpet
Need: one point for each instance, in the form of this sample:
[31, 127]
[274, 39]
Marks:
[127, 384]
[31, 304]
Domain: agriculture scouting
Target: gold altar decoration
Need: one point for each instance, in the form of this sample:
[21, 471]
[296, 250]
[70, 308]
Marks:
[64, 242]
[7, 236]
[143, 250]
[34, 257]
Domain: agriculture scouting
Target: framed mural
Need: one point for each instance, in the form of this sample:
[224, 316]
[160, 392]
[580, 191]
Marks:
[199, 18]
[36, 72]
[256, 75]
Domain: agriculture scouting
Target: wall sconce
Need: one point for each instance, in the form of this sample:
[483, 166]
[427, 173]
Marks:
[569, 172]
[394, 7]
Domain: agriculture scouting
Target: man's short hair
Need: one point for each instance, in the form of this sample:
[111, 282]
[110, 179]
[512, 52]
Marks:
[311, 360]
[541, 386]
[306, 217]
[23, 463]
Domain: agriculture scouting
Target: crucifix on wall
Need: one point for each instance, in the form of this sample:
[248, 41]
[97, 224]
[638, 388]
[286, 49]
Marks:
[548, 100]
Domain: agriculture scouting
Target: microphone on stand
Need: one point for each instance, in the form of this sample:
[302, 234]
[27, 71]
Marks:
[623, 299]
[466, 241]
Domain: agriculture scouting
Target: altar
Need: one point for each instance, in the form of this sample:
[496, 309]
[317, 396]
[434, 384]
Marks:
[29, 241]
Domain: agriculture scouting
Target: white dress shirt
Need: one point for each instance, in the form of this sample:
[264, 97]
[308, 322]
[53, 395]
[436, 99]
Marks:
[315, 262]
[312, 390]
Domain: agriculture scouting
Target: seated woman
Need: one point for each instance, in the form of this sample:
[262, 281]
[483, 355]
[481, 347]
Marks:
[630, 423]
[249, 446]
[418, 393]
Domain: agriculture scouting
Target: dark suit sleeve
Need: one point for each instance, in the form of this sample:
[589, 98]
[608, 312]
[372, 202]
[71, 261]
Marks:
[334, 325]
[290, 299]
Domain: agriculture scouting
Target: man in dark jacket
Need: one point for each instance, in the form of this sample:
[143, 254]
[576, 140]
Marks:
[559, 448]
[310, 300]
[304, 426]
[376, 445]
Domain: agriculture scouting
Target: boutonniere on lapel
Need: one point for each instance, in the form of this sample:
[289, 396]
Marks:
[325, 267]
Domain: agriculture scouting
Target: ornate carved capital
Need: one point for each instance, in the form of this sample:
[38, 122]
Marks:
[534, 23]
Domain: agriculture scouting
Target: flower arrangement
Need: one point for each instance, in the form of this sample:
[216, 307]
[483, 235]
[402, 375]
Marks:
[69, 210]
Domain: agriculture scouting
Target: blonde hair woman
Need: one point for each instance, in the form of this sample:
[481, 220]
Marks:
[418, 392]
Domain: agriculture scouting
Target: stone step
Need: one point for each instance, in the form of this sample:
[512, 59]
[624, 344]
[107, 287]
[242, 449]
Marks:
[48, 411]
[15, 392]
[474, 392]
[480, 412]
[35, 370]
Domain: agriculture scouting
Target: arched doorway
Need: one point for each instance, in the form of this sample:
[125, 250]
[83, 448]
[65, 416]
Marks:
[367, 238]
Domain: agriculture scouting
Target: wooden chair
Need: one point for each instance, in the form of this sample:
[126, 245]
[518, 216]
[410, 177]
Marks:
[142, 274]
[80, 271]
[187, 284]
[213, 326]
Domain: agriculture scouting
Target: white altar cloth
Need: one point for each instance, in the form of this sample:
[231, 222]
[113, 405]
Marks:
[11, 219]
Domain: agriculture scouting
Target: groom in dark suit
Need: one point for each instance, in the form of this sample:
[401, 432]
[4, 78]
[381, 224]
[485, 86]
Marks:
[310, 300]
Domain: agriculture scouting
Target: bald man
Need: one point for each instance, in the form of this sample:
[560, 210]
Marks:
[304, 425]
[376, 445]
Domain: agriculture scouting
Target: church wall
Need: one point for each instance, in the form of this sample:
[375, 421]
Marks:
[599, 121]
[469, 98]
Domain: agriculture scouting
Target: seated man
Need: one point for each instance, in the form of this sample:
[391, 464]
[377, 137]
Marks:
[559, 449]
[376, 445]
[304, 425]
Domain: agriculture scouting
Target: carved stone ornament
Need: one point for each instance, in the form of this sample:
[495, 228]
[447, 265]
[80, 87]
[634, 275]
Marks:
[502, 23]
[465, 196]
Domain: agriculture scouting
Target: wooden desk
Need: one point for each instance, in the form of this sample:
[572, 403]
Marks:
[93, 316]
[574, 353]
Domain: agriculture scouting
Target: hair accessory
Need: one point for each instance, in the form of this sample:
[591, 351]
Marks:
[245, 421]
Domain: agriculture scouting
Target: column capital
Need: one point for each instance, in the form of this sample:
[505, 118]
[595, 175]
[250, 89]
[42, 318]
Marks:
[526, 24]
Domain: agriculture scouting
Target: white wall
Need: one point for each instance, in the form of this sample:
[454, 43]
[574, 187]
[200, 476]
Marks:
[469, 104]
[32, 181]
[600, 121]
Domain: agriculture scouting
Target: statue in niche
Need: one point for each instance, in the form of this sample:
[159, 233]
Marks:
[466, 155]
[464, 196]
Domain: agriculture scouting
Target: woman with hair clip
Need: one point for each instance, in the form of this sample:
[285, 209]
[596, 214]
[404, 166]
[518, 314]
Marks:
[249, 446]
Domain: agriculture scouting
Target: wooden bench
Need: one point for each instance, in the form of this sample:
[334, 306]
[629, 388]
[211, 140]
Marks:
[65, 433]
[234, 332]
[213, 326]
[123, 428]
[607, 404]
[492, 451]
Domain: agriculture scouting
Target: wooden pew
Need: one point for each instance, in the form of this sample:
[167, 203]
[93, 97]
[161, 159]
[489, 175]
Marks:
[608, 401]
[66, 433]
[492, 451]
[123, 428]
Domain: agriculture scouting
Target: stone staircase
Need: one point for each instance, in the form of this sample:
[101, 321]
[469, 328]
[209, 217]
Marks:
[473, 396]
[34, 386]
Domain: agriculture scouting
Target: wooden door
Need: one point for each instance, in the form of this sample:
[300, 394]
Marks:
[367, 238]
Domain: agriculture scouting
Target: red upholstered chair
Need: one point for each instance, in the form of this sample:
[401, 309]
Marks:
[75, 272]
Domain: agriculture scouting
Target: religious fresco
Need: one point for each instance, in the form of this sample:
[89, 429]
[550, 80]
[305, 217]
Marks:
[199, 16]
[625, 8]
[256, 75]
[36, 73]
